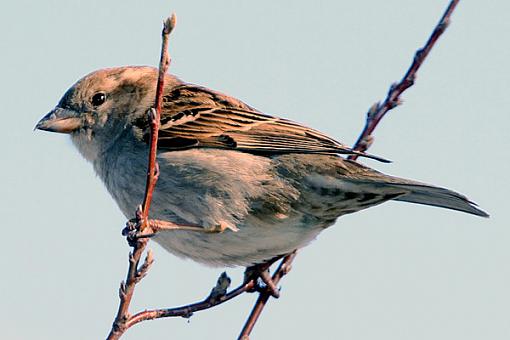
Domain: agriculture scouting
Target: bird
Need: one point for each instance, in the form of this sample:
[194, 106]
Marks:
[272, 184]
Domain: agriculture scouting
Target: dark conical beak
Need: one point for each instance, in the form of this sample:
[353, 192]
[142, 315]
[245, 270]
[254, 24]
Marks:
[60, 120]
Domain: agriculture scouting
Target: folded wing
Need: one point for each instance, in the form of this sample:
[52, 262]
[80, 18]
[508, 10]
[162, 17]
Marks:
[194, 116]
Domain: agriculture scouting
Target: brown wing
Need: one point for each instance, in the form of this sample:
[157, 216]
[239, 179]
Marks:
[194, 116]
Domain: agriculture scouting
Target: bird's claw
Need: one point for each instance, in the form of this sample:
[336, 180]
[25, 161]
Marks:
[261, 272]
[132, 231]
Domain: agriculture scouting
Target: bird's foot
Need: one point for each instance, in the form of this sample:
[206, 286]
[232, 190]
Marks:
[136, 228]
[261, 271]
[132, 231]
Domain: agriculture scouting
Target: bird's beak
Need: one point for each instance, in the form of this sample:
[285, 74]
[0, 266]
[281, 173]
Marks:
[60, 120]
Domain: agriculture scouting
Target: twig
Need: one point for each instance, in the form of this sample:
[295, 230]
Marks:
[283, 269]
[374, 116]
[218, 296]
[378, 110]
[136, 273]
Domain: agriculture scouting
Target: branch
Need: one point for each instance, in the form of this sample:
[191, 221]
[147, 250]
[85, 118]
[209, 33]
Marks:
[217, 296]
[136, 273]
[378, 110]
[283, 269]
[374, 116]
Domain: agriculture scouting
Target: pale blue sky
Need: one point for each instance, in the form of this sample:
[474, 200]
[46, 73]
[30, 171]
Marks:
[397, 271]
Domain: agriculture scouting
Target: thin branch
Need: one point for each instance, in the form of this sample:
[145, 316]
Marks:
[136, 273]
[374, 116]
[378, 110]
[214, 299]
[283, 269]
[217, 297]
[164, 62]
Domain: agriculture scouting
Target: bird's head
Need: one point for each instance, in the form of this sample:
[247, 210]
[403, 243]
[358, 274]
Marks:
[102, 105]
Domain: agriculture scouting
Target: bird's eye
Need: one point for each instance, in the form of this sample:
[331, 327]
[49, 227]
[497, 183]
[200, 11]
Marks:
[98, 99]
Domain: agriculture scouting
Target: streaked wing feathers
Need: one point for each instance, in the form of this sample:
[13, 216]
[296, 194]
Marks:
[193, 116]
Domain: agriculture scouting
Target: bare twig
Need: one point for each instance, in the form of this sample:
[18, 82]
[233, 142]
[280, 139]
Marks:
[283, 269]
[374, 116]
[136, 273]
[378, 110]
[217, 296]
[155, 115]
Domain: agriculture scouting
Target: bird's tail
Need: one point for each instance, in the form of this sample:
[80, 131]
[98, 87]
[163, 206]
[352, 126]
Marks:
[400, 189]
[440, 197]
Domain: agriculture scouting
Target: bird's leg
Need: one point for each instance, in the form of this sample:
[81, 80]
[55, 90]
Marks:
[132, 230]
[262, 271]
[160, 225]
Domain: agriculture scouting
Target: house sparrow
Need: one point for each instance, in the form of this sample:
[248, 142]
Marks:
[275, 184]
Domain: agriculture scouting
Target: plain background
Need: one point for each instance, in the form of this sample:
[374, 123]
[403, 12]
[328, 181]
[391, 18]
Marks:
[397, 271]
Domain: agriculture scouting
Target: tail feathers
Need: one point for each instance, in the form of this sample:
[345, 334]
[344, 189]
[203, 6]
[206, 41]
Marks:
[439, 197]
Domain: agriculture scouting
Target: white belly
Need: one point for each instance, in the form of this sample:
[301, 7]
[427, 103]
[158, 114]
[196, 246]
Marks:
[253, 243]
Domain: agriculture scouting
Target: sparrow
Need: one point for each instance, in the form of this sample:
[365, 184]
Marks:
[274, 184]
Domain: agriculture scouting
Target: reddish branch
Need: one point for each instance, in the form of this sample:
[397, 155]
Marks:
[378, 110]
[282, 270]
[219, 294]
[136, 272]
